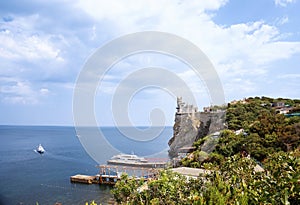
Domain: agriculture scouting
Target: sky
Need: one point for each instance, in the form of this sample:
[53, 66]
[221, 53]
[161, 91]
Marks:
[254, 46]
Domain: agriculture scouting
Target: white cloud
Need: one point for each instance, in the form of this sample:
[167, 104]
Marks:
[20, 41]
[130, 16]
[244, 49]
[18, 91]
[238, 50]
[44, 91]
[94, 33]
[275, 51]
[195, 84]
[289, 76]
[284, 3]
[31, 56]
[243, 86]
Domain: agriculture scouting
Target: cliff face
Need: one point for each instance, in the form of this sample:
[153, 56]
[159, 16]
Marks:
[185, 131]
[191, 126]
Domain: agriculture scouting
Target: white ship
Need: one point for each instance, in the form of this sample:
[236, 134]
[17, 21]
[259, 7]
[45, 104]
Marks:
[40, 149]
[134, 160]
[127, 158]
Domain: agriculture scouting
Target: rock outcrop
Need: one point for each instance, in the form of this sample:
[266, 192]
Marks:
[191, 125]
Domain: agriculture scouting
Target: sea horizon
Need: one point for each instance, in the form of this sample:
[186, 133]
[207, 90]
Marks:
[104, 126]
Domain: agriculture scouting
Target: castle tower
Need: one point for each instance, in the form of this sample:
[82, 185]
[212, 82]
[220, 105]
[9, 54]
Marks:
[180, 105]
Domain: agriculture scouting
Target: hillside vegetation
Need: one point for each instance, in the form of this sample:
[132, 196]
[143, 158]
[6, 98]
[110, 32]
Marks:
[256, 128]
[261, 132]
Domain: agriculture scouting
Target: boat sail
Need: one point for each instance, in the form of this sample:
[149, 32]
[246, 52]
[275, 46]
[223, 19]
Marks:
[40, 149]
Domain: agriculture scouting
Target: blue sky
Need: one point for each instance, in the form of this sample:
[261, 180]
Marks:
[254, 46]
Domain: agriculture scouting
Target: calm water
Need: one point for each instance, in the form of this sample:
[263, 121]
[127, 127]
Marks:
[27, 177]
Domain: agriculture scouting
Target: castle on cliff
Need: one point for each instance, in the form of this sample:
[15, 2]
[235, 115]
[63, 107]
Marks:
[184, 108]
[192, 124]
[191, 110]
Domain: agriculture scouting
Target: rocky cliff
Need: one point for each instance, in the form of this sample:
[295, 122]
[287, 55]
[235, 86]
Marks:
[193, 125]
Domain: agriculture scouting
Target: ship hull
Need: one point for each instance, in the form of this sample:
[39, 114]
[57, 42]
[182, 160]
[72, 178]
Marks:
[138, 164]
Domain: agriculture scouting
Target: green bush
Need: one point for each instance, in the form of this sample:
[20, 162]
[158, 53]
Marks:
[236, 182]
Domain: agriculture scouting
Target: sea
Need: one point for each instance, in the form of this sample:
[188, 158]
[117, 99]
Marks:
[30, 178]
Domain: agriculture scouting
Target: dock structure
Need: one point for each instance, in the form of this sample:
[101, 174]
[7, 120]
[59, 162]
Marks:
[85, 179]
[109, 174]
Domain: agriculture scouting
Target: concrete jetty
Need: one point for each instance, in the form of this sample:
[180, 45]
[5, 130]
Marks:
[109, 174]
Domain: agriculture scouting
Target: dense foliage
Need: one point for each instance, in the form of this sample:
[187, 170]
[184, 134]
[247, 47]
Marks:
[256, 129]
[235, 182]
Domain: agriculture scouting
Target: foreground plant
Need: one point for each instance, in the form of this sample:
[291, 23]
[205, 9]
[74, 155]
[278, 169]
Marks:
[236, 182]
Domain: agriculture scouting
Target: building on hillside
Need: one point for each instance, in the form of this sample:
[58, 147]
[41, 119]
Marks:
[283, 110]
[278, 104]
[244, 101]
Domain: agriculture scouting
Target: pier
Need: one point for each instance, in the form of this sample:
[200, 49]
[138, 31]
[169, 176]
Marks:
[85, 179]
[109, 174]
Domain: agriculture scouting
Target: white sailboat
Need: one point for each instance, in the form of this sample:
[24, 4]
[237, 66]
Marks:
[40, 149]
